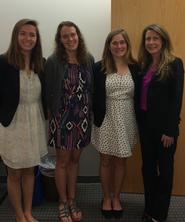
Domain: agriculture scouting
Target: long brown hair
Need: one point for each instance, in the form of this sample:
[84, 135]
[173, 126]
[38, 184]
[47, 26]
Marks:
[59, 47]
[14, 55]
[108, 64]
[166, 56]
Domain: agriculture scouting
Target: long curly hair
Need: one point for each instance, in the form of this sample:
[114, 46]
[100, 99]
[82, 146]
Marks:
[60, 49]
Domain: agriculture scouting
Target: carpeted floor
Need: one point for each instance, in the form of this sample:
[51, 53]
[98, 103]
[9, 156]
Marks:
[89, 198]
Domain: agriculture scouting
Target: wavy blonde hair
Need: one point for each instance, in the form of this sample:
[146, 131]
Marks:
[166, 56]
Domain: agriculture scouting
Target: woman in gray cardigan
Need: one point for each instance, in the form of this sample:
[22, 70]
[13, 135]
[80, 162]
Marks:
[69, 89]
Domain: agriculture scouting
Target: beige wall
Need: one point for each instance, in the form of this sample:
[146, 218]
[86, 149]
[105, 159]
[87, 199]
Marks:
[133, 16]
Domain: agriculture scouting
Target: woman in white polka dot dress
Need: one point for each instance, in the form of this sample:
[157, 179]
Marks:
[115, 131]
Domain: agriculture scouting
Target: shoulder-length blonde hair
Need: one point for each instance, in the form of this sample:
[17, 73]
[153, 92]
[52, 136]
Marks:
[166, 56]
[60, 49]
[108, 64]
[14, 55]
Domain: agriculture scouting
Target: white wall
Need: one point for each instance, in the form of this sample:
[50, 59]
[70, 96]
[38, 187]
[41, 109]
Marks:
[92, 16]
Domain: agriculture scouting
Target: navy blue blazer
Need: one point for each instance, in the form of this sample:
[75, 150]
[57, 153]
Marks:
[10, 91]
[164, 100]
[99, 98]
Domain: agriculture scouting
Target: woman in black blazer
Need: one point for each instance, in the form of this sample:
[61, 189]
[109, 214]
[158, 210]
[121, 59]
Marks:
[115, 131]
[22, 128]
[160, 90]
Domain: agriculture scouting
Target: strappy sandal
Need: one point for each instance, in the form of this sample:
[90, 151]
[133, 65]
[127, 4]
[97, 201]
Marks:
[74, 210]
[64, 211]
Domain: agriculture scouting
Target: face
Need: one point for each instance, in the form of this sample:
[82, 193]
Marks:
[69, 38]
[118, 46]
[27, 38]
[153, 42]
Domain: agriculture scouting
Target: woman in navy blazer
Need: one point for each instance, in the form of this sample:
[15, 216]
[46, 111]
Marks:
[160, 90]
[115, 130]
[22, 128]
[10, 93]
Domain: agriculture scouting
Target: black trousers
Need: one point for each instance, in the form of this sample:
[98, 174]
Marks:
[157, 170]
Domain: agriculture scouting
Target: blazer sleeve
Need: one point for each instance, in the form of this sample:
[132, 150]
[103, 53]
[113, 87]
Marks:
[176, 94]
[3, 66]
[43, 91]
[90, 66]
[1, 87]
[136, 75]
[99, 95]
[49, 71]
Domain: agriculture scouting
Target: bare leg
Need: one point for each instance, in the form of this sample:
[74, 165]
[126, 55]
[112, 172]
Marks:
[62, 162]
[73, 173]
[105, 175]
[119, 177]
[27, 187]
[71, 183]
[14, 192]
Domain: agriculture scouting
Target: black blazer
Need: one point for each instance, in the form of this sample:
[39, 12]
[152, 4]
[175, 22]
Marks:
[164, 100]
[10, 91]
[99, 98]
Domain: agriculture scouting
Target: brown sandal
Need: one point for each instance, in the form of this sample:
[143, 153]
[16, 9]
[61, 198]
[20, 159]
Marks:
[74, 210]
[64, 211]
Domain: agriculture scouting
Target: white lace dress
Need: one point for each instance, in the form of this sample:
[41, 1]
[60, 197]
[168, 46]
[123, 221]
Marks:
[23, 142]
[118, 132]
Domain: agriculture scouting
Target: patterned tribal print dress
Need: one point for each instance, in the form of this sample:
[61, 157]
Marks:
[71, 127]
[118, 132]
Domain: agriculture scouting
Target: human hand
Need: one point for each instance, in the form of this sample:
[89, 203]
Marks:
[49, 114]
[167, 140]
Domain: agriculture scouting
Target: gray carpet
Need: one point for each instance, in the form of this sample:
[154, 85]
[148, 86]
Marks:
[89, 198]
